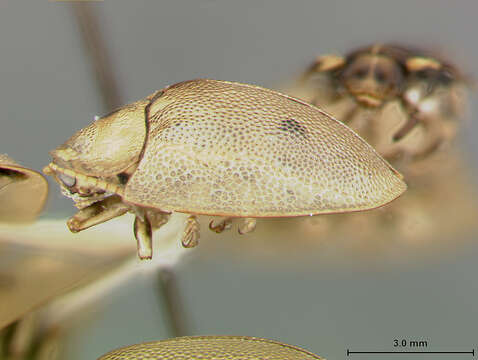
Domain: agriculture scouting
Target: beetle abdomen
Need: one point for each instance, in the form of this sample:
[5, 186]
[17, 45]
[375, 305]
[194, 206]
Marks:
[223, 148]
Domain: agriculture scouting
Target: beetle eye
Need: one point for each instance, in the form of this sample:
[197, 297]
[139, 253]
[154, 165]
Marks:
[380, 75]
[360, 73]
[67, 180]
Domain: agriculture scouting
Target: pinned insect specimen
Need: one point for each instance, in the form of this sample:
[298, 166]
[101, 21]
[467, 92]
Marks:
[408, 105]
[404, 102]
[211, 347]
[221, 149]
[23, 192]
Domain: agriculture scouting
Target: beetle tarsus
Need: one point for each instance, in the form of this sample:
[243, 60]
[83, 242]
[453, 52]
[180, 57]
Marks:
[97, 213]
[247, 226]
[224, 224]
[144, 237]
[191, 232]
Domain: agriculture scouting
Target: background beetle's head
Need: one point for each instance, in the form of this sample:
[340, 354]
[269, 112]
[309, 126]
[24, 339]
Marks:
[373, 75]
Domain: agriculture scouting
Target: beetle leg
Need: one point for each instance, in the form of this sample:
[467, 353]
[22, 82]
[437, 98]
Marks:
[436, 135]
[158, 218]
[191, 232]
[97, 213]
[247, 226]
[144, 237]
[411, 122]
[224, 224]
[325, 63]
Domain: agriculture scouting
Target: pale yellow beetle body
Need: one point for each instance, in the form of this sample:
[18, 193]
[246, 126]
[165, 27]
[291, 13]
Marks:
[211, 347]
[239, 150]
[222, 149]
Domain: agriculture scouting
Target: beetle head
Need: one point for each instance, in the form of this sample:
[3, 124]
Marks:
[104, 150]
[372, 78]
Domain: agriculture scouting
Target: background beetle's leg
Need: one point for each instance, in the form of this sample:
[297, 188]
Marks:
[191, 232]
[411, 122]
[247, 226]
[436, 135]
[97, 213]
[144, 237]
[324, 63]
[224, 224]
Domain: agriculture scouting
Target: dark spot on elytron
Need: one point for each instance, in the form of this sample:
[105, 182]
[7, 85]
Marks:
[123, 178]
[292, 126]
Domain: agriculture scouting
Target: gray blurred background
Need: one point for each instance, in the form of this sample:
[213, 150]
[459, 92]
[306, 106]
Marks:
[48, 91]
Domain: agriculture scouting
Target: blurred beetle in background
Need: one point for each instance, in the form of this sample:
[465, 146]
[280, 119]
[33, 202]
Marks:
[405, 102]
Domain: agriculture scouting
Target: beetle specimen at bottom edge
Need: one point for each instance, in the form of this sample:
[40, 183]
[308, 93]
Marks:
[211, 347]
[218, 148]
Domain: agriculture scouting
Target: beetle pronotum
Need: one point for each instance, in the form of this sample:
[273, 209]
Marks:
[221, 149]
[211, 347]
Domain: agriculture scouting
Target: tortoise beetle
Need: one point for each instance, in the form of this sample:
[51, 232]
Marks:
[211, 347]
[218, 148]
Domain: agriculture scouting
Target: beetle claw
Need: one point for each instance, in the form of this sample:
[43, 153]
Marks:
[144, 237]
[247, 226]
[224, 224]
[191, 232]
